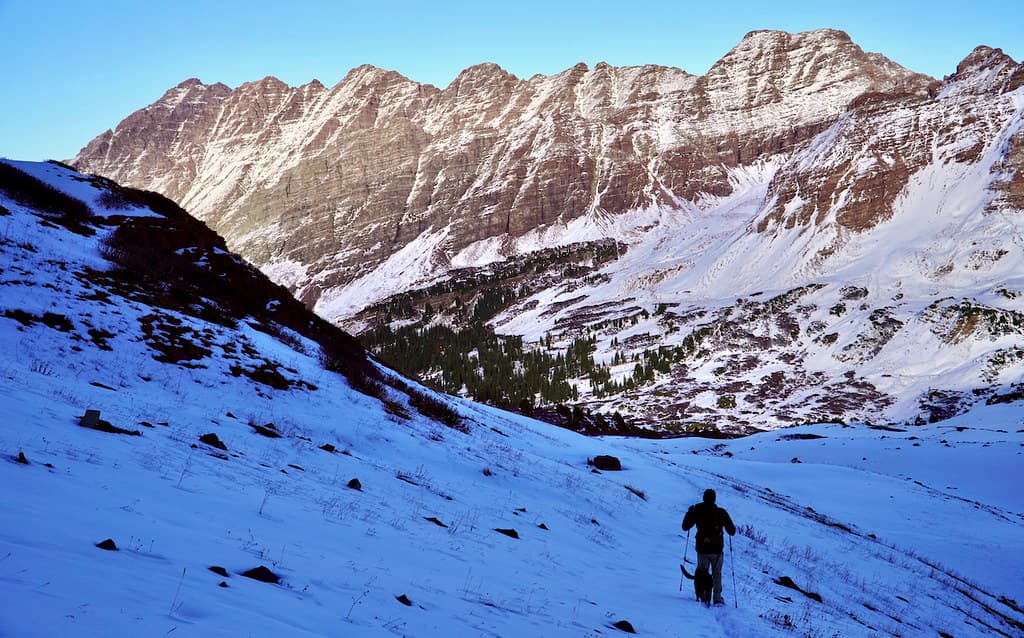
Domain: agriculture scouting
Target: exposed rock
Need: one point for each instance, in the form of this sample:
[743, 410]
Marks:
[91, 419]
[262, 574]
[213, 440]
[108, 545]
[786, 581]
[606, 463]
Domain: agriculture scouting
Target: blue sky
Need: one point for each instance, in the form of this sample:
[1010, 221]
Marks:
[71, 70]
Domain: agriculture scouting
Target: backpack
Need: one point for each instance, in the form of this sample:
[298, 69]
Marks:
[710, 539]
[710, 534]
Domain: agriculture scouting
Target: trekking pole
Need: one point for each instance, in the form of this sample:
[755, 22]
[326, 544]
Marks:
[682, 568]
[732, 565]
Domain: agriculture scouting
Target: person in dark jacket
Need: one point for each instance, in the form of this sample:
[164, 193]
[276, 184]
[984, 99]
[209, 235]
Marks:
[711, 521]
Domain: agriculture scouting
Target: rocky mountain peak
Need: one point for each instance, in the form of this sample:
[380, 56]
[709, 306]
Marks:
[480, 78]
[268, 83]
[192, 91]
[189, 83]
[366, 75]
[987, 70]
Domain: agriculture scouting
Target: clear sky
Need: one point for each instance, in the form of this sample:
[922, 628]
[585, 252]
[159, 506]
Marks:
[73, 69]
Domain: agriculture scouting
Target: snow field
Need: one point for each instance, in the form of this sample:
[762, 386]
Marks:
[889, 534]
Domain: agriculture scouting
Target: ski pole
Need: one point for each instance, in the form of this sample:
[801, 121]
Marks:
[732, 565]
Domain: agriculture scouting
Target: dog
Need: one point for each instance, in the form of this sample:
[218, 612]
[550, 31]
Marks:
[702, 585]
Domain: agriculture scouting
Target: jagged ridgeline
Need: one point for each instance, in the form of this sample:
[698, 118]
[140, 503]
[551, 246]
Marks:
[782, 226]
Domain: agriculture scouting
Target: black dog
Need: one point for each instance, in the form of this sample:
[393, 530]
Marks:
[702, 584]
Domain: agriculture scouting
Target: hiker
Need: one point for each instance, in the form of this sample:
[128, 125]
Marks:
[710, 521]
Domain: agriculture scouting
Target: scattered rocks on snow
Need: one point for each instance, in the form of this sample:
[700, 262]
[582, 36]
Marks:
[223, 584]
[262, 574]
[354, 484]
[802, 436]
[606, 463]
[626, 626]
[267, 430]
[327, 447]
[404, 600]
[21, 458]
[213, 440]
[511, 533]
[91, 419]
[543, 526]
[220, 571]
[108, 545]
[435, 521]
[786, 581]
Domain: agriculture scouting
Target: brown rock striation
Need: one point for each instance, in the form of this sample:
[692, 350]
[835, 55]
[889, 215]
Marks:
[321, 185]
[853, 175]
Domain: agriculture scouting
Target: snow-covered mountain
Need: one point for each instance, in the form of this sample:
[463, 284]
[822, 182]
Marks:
[320, 186]
[223, 444]
[806, 232]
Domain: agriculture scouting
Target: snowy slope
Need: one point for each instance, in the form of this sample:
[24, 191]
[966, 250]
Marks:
[900, 532]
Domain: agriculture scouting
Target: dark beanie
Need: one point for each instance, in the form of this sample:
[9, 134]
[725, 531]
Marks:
[709, 496]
